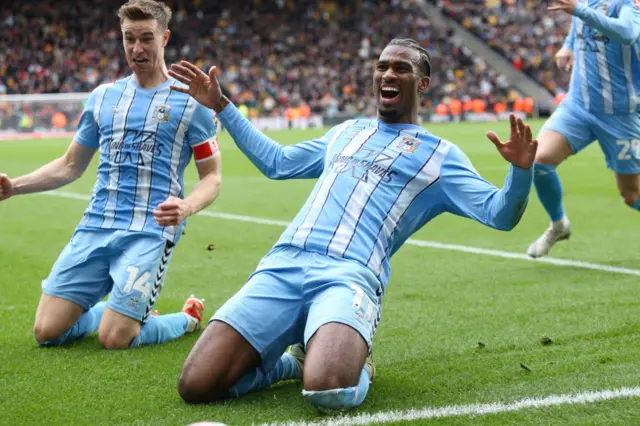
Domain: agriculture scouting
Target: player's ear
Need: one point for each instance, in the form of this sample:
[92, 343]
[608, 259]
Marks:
[423, 84]
[165, 37]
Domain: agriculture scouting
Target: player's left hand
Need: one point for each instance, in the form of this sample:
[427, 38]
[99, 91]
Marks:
[202, 87]
[520, 149]
[171, 212]
[563, 6]
[6, 187]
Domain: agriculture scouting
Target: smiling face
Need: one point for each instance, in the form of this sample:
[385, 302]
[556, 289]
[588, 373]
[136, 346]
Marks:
[397, 84]
[144, 46]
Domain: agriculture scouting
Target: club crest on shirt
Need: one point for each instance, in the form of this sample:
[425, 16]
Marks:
[408, 145]
[161, 113]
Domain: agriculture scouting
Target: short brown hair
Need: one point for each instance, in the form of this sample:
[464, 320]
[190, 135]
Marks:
[142, 10]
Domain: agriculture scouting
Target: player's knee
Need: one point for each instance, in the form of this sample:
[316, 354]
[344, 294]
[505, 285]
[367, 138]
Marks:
[194, 389]
[630, 198]
[548, 159]
[329, 389]
[328, 381]
[553, 148]
[191, 389]
[116, 337]
[45, 332]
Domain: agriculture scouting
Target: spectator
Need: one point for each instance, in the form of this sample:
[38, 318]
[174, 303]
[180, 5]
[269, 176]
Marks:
[521, 30]
[271, 54]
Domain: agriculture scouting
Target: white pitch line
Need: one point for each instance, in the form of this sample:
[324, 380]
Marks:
[520, 256]
[470, 410]
[418, 243]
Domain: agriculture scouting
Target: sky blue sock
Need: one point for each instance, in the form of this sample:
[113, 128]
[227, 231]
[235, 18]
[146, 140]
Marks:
[86, 324]
[285, 369]
[160, 329]
[636, 205]
[549, 189]
[341, 399]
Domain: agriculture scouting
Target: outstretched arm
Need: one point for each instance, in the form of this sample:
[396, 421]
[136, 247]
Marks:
[625, 29]
[65, 169]
[303, 160]
[57, 173]
[471, 196]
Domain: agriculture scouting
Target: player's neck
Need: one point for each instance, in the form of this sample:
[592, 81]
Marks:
[411, 118]
[149, 81]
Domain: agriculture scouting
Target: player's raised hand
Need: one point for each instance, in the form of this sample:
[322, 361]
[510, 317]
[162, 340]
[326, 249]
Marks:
[567, 6]
[202, 87]
[520, 149]
[564, 59]
[172, 211]
[6, 187]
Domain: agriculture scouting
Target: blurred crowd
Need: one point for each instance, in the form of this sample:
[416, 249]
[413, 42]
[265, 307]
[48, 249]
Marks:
[272, 54]
[521, 30]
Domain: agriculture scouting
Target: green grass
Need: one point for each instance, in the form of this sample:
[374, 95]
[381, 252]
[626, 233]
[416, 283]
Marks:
[439, 305]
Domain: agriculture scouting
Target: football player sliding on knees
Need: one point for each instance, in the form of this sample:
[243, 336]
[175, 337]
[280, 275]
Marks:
[124, 243]
[319, 291]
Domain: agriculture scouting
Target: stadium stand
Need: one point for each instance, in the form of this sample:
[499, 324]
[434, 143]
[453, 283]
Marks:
[521, 30]
[277, 57]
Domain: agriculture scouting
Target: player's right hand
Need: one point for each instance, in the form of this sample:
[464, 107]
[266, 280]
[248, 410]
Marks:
[564, 59]
[202, 87]
[6, 187]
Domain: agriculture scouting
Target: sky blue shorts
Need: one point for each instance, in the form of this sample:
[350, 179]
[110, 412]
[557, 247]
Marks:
[618, 135]
[293, 293]
[131, 266]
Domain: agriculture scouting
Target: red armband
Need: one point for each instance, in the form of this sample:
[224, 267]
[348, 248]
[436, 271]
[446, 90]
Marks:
[205, 150]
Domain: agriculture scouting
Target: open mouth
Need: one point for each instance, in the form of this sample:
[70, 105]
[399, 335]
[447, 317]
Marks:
[140, 61]
[389, 92]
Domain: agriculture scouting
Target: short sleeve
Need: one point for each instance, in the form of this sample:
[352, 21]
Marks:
[202, 127]
[88, 132]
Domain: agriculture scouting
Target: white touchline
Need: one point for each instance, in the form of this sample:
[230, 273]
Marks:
[418, 243]
[470, 410]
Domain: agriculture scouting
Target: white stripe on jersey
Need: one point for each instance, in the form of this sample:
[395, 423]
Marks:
[338, 132]
[582, 68]
[100, 94]
[429, 173]
[605, 77]
[178, 142]
[355, 205]
[143, 184]
[303, 231]
[628, 74]
[121, 112]
[97, 109]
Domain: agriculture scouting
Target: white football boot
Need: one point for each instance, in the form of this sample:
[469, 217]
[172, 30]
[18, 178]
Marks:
[557, 231]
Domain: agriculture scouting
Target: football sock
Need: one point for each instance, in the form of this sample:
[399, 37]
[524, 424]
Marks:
[549, 189]
[86, 324]
[160, 329]
[286, 368]
[341, 399]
